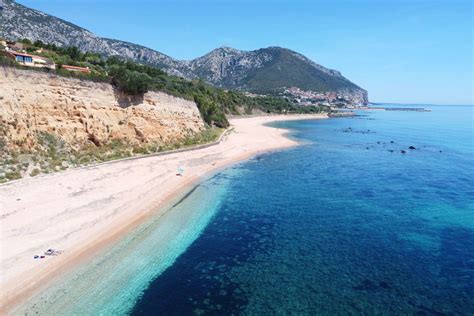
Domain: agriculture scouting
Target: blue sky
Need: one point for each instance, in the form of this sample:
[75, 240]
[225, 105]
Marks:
[407, 51]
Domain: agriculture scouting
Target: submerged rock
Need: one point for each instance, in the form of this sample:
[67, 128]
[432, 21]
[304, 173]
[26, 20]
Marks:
[370, 285]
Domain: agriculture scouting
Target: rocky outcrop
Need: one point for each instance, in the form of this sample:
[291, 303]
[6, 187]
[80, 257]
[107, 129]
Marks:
[227, 67]
[84, 112]
[353, 96]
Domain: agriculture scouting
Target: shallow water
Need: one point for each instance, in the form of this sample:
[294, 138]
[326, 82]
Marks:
[345, 224]
[112, 282]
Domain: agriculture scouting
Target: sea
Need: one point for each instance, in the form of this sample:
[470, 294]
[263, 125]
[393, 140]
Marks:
[370, 215]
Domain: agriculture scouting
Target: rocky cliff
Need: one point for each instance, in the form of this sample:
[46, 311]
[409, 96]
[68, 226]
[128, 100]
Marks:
[82, 113]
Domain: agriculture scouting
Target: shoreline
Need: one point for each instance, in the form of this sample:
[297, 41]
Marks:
[98, 215]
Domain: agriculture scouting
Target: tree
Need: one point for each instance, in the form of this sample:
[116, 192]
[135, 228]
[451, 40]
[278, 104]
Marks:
[74, 53]
[129, 81]
[38, 43]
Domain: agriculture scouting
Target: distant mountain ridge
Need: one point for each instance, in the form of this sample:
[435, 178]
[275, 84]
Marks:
[266, 69]
[262, 71]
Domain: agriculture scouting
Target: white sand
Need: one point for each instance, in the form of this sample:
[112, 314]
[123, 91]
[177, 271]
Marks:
[79, 211]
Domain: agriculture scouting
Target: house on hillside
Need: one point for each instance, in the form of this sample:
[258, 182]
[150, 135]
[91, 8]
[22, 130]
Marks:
[29, 60]
[84, 70]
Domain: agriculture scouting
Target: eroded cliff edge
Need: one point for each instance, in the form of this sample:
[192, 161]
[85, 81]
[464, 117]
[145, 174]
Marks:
[49, 122]
[81, 112]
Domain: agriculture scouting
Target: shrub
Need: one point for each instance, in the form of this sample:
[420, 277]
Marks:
[13, 175]
[35, 172]
[3, 144]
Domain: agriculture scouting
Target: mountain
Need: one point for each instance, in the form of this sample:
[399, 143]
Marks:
[263, 71]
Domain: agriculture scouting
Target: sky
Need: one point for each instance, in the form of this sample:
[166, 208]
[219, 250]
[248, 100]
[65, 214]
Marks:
[403, 51]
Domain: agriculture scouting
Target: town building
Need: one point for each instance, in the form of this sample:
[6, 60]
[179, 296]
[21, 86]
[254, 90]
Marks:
[29, 60]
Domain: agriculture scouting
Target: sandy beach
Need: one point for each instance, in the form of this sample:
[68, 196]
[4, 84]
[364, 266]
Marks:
[81, 211]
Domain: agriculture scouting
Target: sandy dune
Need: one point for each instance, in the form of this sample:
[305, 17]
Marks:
[79, 211]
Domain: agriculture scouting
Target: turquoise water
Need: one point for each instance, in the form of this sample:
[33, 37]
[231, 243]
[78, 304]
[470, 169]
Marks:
[113, 281]
[344, 224]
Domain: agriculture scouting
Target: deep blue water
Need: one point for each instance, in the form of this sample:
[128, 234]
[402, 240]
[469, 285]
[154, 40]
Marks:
[345, 224]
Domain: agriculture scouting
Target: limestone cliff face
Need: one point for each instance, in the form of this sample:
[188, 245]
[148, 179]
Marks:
[84, 112]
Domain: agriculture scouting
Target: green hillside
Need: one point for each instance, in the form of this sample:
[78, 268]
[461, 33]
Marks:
[285, 69]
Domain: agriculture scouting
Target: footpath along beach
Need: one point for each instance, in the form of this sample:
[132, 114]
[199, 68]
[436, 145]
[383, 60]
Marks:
[81, 211]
